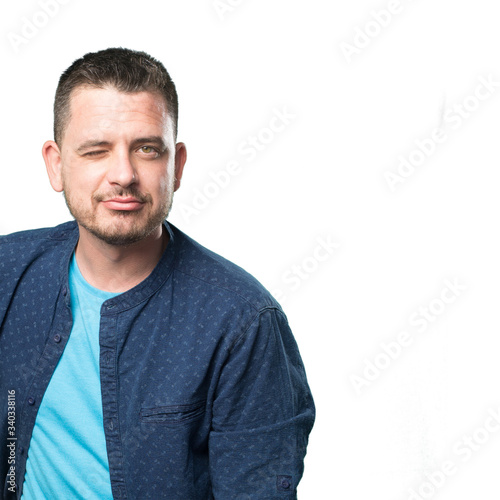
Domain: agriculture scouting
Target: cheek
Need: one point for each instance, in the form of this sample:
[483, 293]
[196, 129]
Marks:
[82, 177]
[78, 187]
[164, 181]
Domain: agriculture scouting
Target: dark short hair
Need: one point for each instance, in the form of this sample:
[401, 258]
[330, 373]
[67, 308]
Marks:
[126, 70]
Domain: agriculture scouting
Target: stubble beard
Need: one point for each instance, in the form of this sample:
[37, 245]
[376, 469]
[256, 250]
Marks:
[112, 233]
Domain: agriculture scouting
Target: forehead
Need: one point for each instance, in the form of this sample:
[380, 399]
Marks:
[109, 109]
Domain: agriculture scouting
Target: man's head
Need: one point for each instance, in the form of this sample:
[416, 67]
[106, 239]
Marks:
[115, 155]
[126, 70]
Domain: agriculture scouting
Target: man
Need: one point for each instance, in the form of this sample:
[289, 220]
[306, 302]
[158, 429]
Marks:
[137, 364]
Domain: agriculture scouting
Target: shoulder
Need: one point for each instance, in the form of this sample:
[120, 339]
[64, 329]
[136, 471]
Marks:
[62, 231]
[25, 246]
[218, 275]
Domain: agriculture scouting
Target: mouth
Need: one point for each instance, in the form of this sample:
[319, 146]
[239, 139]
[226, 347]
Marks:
[128, 204]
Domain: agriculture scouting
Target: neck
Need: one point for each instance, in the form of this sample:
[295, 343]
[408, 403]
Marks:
[118, 268]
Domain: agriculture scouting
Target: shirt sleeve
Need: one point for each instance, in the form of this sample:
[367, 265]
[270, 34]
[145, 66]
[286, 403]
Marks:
[263, 413]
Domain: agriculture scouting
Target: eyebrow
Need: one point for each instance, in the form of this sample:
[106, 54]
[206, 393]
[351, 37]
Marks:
[153, 139]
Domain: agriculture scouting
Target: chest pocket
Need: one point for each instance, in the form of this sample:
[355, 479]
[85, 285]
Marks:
[172, 414]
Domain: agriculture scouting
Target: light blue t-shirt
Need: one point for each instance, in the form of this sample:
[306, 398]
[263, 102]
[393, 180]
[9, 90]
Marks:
[67, 454]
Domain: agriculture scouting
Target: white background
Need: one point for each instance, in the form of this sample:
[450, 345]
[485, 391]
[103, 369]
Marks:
[323, 176]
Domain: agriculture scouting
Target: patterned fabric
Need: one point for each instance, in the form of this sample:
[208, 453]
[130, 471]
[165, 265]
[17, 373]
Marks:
[203, 389]
[68, 428]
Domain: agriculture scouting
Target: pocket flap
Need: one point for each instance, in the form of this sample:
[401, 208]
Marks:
[172, 414]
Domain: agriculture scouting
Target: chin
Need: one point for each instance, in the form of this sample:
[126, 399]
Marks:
[115, 235]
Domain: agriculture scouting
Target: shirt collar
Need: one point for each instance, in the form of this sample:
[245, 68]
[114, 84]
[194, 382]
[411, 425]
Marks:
[68, 235]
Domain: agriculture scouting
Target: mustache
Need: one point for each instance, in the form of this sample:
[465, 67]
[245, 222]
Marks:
[123, 193]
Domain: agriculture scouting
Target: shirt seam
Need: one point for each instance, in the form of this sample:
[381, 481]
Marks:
[216, 285]
[258, 314]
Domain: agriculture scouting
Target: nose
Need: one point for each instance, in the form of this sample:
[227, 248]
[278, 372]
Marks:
[122, 170]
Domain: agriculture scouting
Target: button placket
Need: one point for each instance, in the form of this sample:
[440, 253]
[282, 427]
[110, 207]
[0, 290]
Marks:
[284, 483]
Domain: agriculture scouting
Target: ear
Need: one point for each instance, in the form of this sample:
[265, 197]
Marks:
[180, 160]
[52, 157]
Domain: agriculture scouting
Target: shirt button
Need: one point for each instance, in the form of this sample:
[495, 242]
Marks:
[285, 484]
[57, 338]
[31, 401]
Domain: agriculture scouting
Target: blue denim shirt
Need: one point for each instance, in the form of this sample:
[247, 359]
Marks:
[203, 389]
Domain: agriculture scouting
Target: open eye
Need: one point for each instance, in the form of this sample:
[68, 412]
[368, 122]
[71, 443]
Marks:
[149, 152]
